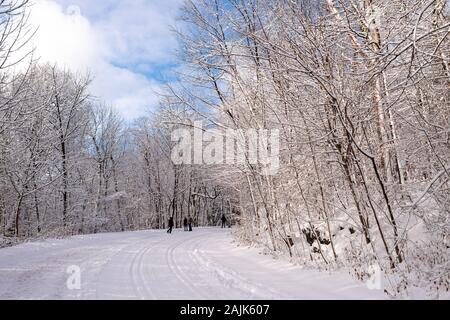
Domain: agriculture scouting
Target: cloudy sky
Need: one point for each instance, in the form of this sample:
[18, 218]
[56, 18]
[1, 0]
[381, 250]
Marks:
[126, 45]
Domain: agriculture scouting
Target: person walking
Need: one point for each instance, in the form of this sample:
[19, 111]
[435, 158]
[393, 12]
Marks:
[185, 224]
[224, 221]
[191, 221]
[170, 225]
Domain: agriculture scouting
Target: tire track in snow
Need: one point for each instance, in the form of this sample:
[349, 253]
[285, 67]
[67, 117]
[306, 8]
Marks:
[178, 272]
[205, 281]
[137, 273]
[225, 293]
[232, 279]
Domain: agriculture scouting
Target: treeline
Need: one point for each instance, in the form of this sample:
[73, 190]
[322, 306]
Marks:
[70, 165]
[360, 93]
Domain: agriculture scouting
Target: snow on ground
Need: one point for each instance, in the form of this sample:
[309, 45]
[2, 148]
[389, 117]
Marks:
[204, 264]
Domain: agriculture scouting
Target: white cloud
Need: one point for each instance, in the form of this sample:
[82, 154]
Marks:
[131, 93]
[63, 37]
[100, 36]
[138, 30]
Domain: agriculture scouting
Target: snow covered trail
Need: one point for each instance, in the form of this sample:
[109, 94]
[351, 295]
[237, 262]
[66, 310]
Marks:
[204, 264]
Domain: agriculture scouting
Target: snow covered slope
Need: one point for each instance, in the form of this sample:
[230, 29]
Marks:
[204, 264]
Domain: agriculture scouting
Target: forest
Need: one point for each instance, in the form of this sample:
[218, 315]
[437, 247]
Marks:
[357, 89]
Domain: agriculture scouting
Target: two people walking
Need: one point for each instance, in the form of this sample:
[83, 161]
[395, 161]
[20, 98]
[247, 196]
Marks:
[187, 224]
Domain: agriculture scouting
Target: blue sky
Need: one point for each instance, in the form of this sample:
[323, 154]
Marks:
[126, 45]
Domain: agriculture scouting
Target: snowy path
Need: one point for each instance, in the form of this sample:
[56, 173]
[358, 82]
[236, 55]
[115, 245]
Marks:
[204, 264]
